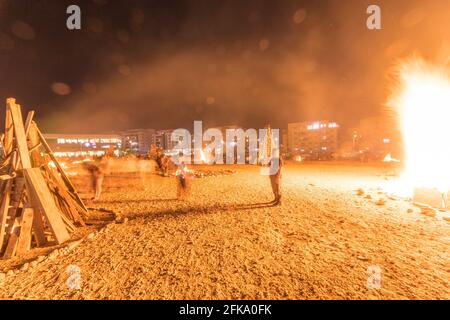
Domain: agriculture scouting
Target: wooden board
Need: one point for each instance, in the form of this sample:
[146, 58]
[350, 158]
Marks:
[26, 225]
[8, 139]
[63, 193]
[33, 141]
[4, 208]
[61, 171]
[15, 199]
[38, 229]
[12, 243]
[42, 199]
[20, 135]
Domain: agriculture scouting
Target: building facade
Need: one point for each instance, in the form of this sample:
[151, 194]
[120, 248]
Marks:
[84, 145]
[138, 141]
[313, 140]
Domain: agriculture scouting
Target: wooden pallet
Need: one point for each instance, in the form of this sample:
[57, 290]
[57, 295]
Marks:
[38, 203]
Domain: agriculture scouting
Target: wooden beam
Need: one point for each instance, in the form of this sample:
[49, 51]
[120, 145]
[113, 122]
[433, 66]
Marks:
[38, 229]
[63, 193]
[4, 209]
[12, 242]
[33, 141]
[26, 224]
[61, 171]
[20, 135]
[28, 121]
[9, 131]
[42, 199]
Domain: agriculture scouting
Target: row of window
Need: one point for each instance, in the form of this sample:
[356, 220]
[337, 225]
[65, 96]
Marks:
[83, 141]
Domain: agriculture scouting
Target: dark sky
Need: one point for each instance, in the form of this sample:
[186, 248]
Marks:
[164, 64]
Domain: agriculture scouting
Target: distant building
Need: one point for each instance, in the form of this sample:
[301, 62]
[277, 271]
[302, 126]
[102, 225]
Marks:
[163, 139]
[138, 141]
[83, 145]
[375, 137]
[314, 140]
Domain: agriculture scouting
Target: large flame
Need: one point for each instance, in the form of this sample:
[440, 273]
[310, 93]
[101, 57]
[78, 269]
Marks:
[423, 103]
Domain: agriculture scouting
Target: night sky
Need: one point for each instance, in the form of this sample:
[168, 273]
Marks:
[163, 64]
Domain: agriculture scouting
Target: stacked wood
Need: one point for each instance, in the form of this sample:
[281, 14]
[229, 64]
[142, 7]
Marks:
[38, 203]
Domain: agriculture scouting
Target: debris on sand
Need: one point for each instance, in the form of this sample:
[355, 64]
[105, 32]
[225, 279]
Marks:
[380, 202]
[360, 192]
[425, 209]
[430, 212]
[213, 173]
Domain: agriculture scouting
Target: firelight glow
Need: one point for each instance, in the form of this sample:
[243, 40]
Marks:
[423, 103]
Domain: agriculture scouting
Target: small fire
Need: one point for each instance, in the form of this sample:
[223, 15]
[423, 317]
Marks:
[423, 103]
[389, 158]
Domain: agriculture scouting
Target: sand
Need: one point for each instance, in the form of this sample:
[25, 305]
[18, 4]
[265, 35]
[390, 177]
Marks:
[227, 242]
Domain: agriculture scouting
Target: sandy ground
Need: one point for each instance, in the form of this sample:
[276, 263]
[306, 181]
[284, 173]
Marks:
[226, 242]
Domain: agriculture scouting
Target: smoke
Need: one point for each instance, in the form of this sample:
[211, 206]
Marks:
[246, 63]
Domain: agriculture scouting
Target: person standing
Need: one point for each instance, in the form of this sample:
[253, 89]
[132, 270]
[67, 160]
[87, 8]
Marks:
[96, 175]
[276, 165]
[181, 175]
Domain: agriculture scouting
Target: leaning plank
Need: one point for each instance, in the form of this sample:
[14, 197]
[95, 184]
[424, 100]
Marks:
[33, 145]
[42, 199]
[16, 199]
[63, 193]
[38, 229]
[8, 139]
[26, 224]
[20, 135]
[12, 242]
[61, 171]
[28, 121]
[4, 208]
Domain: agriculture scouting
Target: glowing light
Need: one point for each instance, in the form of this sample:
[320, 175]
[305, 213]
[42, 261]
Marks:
[202, 156]
[389, 158]
[423, 103]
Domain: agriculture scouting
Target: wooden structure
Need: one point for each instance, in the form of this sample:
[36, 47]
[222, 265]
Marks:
[38, 203]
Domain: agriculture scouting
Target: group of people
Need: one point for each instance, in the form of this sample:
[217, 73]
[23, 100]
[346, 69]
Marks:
[98, 169]
[182, 176]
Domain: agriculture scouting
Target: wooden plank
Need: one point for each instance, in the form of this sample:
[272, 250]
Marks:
[6, 177]
[9, 131]
[42, 199]
[28, 121]
[26, 225]
[63, 193]
[12, 243]
[61, 171]
[33, 140]
[15, 200]
[20, 135]
[4, 209]
[38, 229]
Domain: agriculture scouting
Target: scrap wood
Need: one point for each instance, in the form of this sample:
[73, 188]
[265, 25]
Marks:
[37, 201]
[12, 242]
[42, 199]
[26, 224]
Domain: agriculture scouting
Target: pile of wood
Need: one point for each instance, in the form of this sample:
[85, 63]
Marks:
[38, 204]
